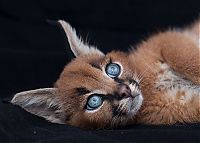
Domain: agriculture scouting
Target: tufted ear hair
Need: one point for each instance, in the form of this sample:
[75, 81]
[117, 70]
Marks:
[76, 43]
[41, 102]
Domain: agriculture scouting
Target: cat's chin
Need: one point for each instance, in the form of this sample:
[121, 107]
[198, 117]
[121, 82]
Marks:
[136, 105]
[129, 106]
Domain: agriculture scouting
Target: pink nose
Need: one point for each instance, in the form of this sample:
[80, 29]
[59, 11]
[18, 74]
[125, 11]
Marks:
[124, 91]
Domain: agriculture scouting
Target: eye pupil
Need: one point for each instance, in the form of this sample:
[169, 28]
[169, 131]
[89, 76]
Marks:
[113, 70]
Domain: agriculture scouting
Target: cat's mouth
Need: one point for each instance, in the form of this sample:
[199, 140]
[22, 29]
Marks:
[130, 105]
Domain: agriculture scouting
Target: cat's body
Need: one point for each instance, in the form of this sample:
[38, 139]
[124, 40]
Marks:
[170, 95]
[159, 83]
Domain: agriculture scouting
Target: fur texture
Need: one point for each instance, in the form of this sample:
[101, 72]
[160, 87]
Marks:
[159, 83]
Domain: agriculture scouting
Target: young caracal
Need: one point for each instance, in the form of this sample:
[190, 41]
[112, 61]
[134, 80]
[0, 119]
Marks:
[158, 82]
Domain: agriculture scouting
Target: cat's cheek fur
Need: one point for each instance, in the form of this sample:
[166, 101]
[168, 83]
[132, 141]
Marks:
[98, 118]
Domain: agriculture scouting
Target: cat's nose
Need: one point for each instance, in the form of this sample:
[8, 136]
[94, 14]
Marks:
[124, 91]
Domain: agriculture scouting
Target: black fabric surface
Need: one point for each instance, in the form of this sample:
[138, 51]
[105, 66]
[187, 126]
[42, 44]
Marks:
[33, 52]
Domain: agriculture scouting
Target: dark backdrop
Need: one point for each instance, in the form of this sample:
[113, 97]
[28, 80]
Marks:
[34, 49]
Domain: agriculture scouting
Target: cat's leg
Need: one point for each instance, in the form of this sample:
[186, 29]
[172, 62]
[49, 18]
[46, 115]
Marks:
[182, 54]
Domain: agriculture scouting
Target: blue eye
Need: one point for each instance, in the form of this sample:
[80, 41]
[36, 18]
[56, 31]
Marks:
[94, 102]
[113, 70]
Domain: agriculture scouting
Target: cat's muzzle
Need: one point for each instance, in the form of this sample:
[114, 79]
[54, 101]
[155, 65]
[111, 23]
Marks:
[131, 99]
[126, 91]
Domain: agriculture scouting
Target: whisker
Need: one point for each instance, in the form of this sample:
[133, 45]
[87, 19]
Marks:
[119, 107]
[149, 67]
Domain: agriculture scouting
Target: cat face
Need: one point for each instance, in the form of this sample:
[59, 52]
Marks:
[93, 91]
[100, 90]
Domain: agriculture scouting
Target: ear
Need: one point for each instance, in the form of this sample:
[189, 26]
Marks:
[41, 102]
[76, 43]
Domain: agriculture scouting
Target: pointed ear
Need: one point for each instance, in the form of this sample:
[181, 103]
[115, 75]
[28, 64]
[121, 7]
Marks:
[41, 102]
[77, 46]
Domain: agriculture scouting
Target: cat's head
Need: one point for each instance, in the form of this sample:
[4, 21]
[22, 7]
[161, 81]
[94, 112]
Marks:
[93, 91]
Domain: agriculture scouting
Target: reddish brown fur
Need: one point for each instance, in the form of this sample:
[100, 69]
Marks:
[183, 57]
[180, 51]
[169, 47]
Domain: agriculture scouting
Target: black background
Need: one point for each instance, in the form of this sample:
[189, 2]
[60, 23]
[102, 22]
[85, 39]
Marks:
[34, 49]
